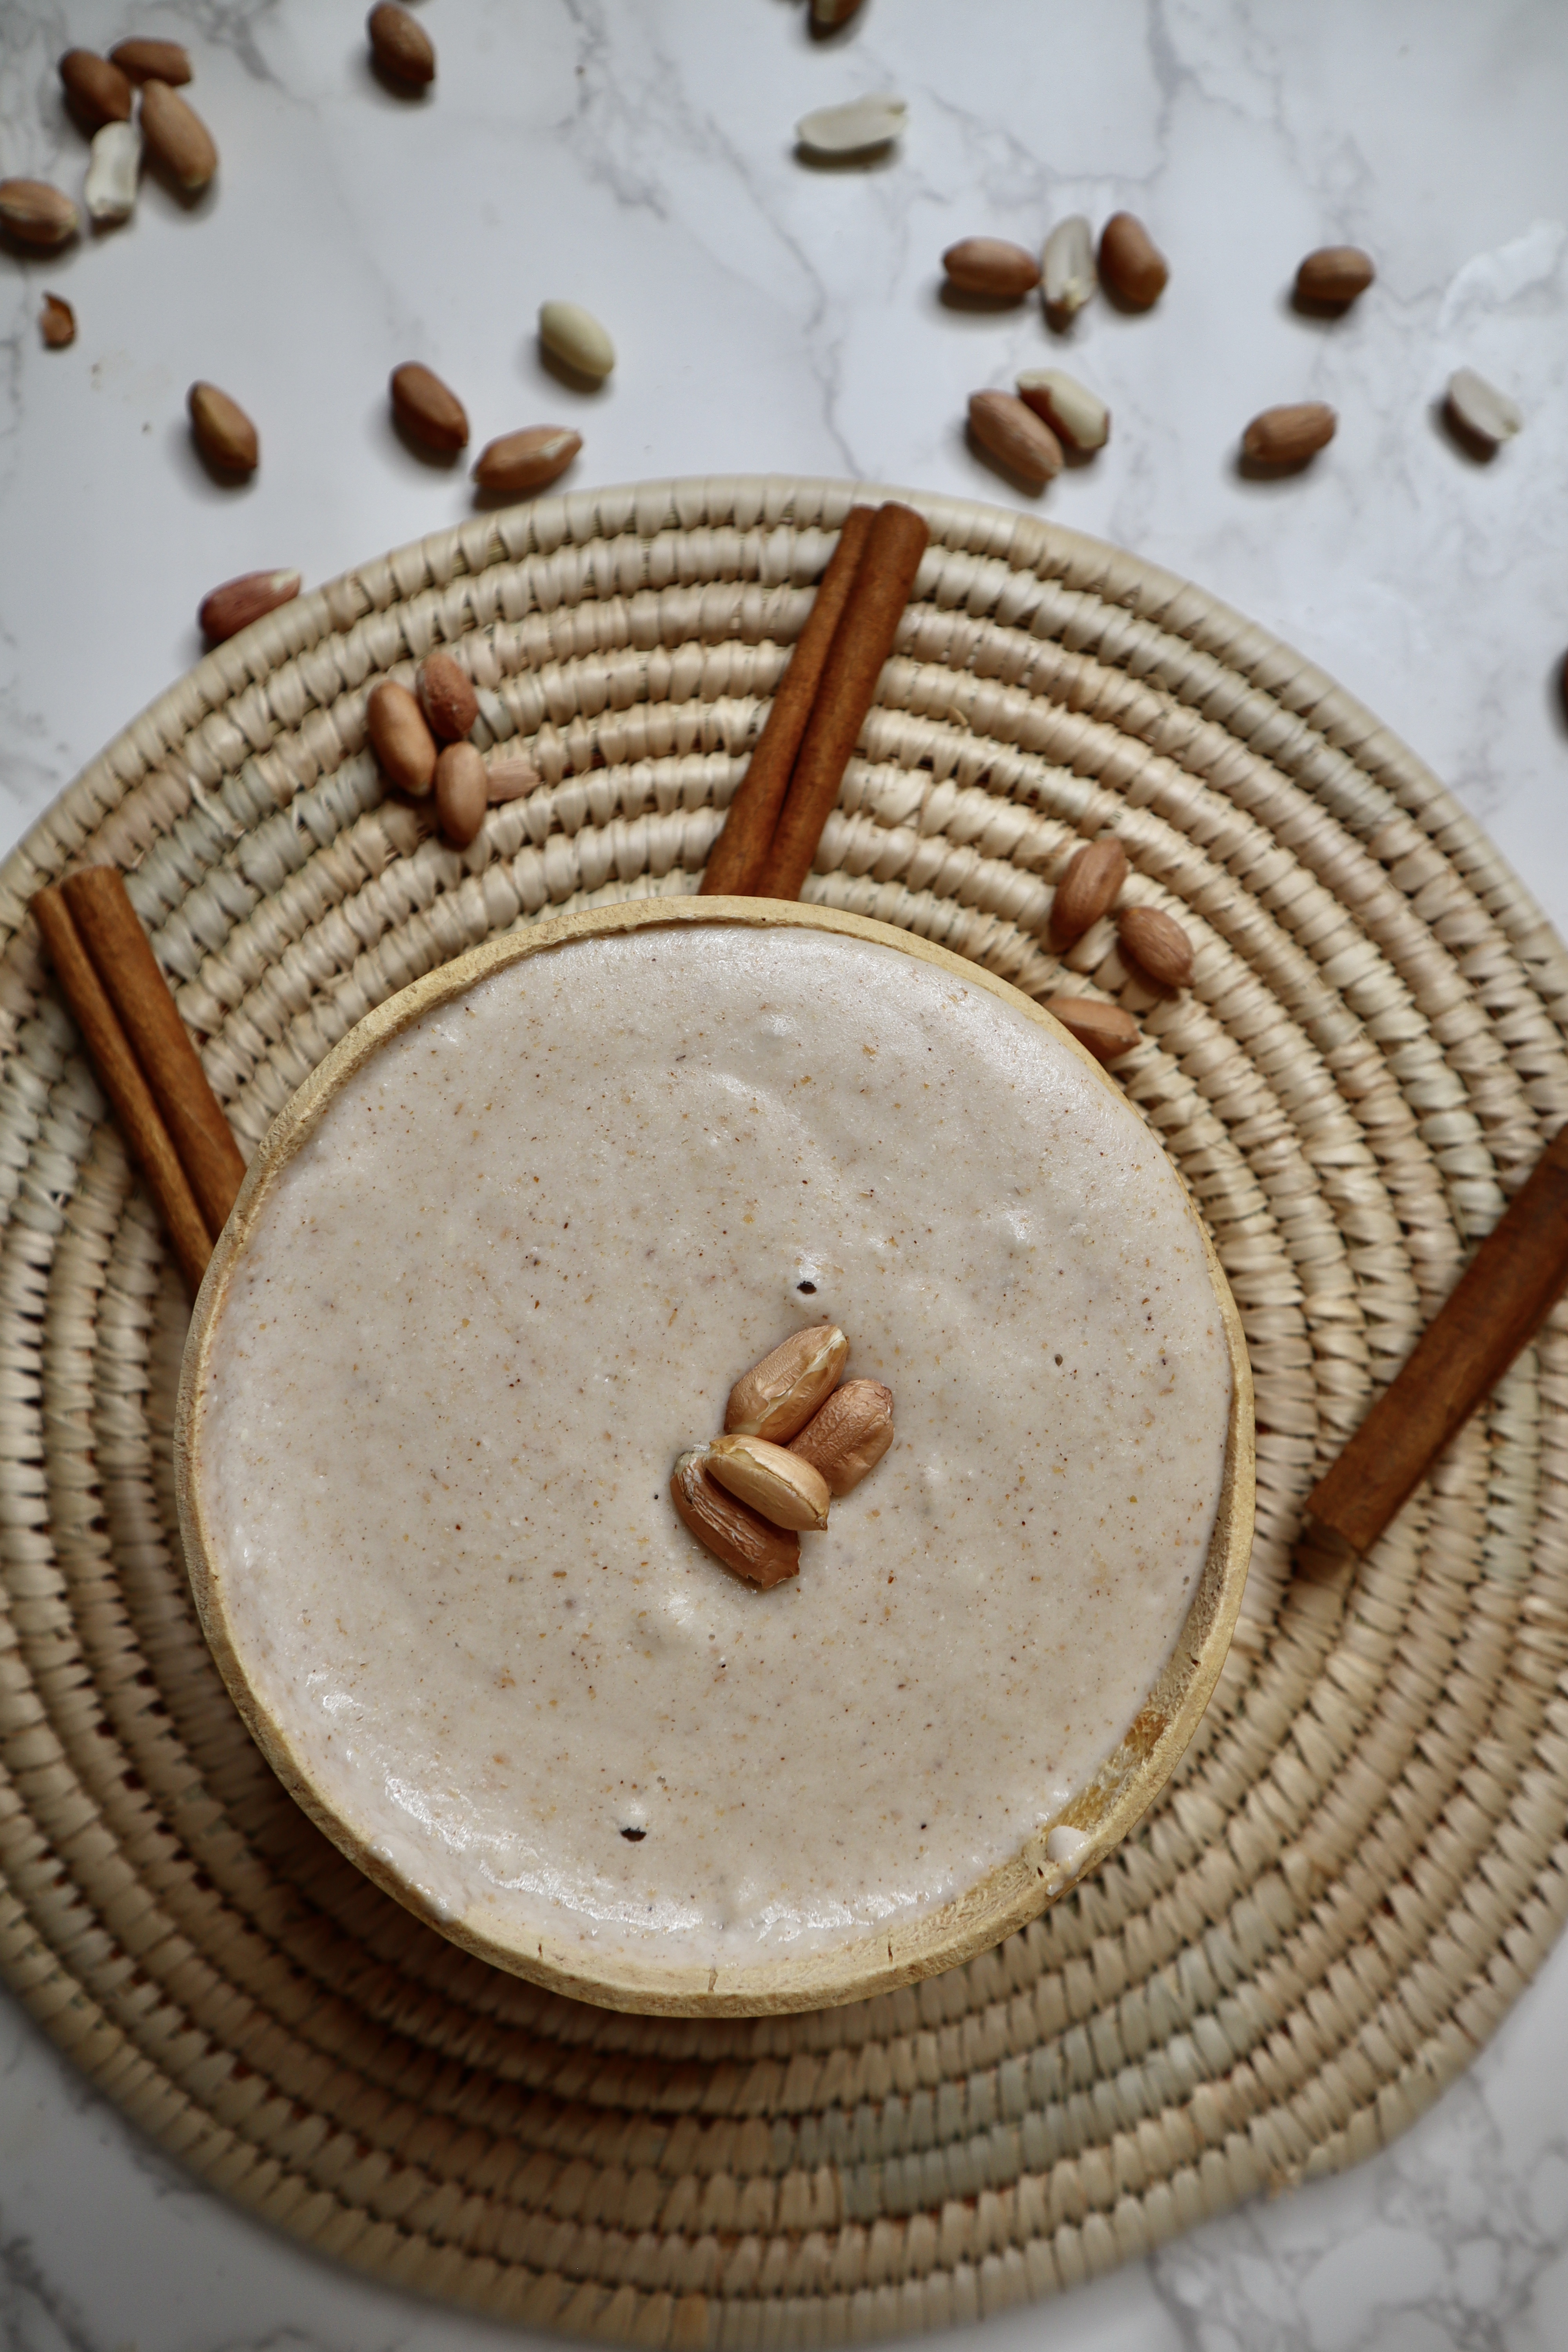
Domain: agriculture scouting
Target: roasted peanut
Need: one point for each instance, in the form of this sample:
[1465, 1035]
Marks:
[739, 1538]
[848, 1435]
[777, 1397]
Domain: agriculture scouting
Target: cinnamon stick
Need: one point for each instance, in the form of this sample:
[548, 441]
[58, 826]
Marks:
[1497, 1306]
[110, 930]
[738, 856]
[124, 1085]
[861, 644]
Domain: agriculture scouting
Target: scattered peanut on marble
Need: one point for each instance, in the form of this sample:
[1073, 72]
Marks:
[112, 173]
[1075, 415]
[1015, 436]
[1068, 275]
[1480, 410]
[993, 266]
[527, 460]
[34, 214]
[427, 409]
[56, 323]
[1334, 276]
[1130, 263]
[97, 90]
[859, 128]
[225, 435]
[576, 338]
[176, 137]
[1289, 435]
[400, 45]
[148, 60]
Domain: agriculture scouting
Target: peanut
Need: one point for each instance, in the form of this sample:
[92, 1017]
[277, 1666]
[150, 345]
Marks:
[152, 61]
[226, 610]
[576, 338]
[110, 191]
[1068, 274]
[225, 435]
[400, 46]
[98, 91]
[1130, 263]
[1107, 1030]
[991, 266]
[739, 1538]
[462, 794]
[1289, 435]
[1075, 415]
[1480, 409]
[848, 1435]
[425, 407]
[56, 320]
[177, 137]
[447, 697]
[787, 1491]
[858, 127]
[1334, 276]
[34, 214]
[1089, 888]
[527, 460]
[1157, 943]
[1016, 437]
[400, 739]
[778, 1396]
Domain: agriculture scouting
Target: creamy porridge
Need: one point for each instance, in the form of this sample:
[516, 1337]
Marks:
[516, 1269]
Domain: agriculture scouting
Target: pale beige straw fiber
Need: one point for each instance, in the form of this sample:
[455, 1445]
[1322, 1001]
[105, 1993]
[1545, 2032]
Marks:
[1362, 1859]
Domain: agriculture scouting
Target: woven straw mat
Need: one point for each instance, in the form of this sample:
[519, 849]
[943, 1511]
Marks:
[1362, 1859]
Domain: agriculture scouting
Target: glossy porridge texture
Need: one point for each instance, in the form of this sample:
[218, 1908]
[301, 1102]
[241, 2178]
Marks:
[516, 1269]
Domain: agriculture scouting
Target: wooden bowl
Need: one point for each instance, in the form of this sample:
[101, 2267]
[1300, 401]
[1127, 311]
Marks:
[1008, 1897]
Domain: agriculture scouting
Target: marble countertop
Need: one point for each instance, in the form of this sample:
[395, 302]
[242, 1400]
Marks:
[637, 156]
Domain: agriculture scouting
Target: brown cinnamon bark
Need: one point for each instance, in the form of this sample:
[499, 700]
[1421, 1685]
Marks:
[123, 1083]
[1497, 1306]
[110, 930]
[736, 856]
[861, 644]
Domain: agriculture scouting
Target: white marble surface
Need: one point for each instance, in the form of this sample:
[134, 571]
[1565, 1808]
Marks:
[636, 156]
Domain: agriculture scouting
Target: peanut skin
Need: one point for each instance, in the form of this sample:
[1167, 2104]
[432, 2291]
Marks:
[778, 1396]
[739, 1538]
[850, 1435]
[462, 794]
[400, 739]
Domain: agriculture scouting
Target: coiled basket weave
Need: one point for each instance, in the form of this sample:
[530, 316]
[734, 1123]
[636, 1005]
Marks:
[1361, 1860]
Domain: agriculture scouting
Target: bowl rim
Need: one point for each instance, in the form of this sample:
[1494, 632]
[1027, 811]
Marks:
[1010, 1895]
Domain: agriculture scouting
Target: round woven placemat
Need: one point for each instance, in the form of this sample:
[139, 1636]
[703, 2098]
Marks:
[1361, 1860]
